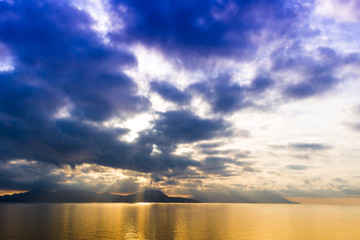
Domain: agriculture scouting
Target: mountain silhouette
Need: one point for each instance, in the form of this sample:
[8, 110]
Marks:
[78, 195]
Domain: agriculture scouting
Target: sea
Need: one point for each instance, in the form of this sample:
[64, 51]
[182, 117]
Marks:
[167, 221]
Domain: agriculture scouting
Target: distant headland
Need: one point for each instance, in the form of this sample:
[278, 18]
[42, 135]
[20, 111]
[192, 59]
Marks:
[83, 196]
[152, 195]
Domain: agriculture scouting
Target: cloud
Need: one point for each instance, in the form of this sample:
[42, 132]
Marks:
[173, 127]
[216, 152]
[260, 84]
[340, 11]
[318, 75]
[312, 87]
[201, 29]
[351, 191]
[69, 141]
[303, 147]
[230, 152]
[169, 92]
[58, 54]
[354, 124]
[25, 175]
[225, 96]
[211, 149]
[309, 146]
[219, 166]
[60, 61]
[301, 156]
[208, 145]
[64, 141]
[216, 165]
[311, 76]
[125, 185]
[297, 167]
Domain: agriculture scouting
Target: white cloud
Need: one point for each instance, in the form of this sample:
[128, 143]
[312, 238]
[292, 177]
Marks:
[339, 10]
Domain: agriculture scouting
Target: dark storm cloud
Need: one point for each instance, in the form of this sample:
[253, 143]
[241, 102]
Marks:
[225, 96]
[216, 152]
[318, 73]
[70, 142]
[260, 84]
[60, 61]
[59, 57]
[311, 87]
[182, 126]
[25, 175]
[169, 92]
[208, 145]
[201, 29]
[172, 128]
[61, 141]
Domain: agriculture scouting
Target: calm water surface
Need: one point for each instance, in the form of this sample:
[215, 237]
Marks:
[179, 221]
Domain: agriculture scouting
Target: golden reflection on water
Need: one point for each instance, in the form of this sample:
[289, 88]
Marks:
[179, 221]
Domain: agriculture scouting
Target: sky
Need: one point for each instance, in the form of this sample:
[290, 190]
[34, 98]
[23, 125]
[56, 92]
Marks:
[191, 97]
